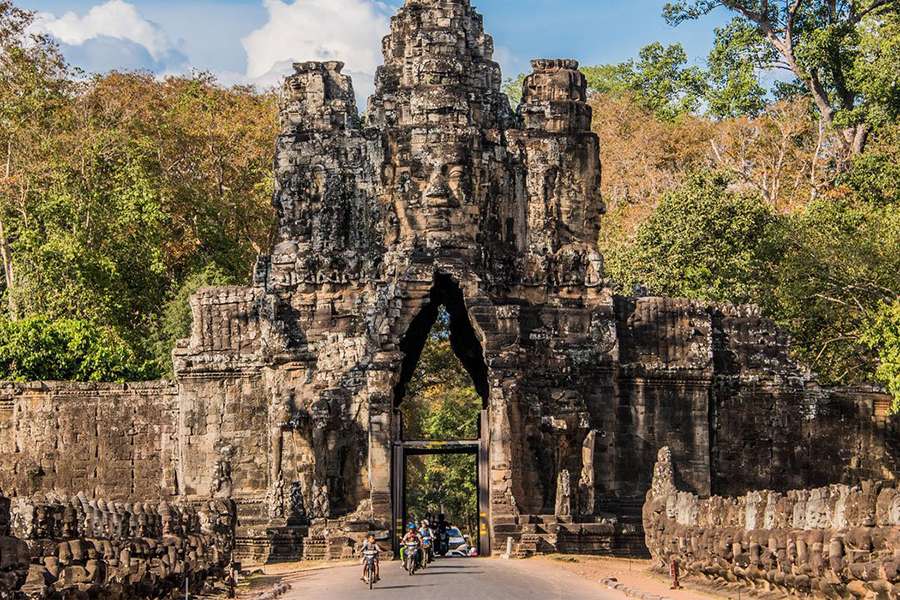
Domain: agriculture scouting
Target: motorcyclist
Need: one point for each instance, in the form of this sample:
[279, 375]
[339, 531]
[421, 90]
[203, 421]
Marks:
[371, 545]
[443, 536]
[427, 536]
[412, 537]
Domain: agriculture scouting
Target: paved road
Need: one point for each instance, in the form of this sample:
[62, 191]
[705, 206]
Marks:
[452, 579]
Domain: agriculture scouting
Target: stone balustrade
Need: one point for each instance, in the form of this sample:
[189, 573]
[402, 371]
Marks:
[79, 547]
[837, 541]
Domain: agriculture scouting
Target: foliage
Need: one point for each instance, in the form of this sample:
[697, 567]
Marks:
[702, 241]
[738, 53]
[37, 348]
[512, 87]
[663, 83]
[645, 156]
[779, 153]
[34, 82]
[874, 70]
[883, 336]
[609, 79]
[840, 264]
[440, 402]
[90, 244]
[659, 80]
[845, 53]
[119, 188]
[874, 175]
[444, 484]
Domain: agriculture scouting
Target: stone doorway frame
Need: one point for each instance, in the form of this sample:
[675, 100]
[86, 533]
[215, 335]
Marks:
[479, 448]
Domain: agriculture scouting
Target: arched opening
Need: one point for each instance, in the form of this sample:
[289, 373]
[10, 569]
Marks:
[440, 408]
[443, 318]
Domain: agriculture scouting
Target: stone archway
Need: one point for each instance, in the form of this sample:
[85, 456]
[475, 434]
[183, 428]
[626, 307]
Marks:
[467, 346]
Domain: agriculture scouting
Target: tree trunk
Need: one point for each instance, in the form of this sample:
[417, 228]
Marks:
[860, 137]
[5, 254]
[8, 273]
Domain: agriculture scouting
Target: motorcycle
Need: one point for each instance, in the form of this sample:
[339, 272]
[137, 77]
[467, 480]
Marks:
[370, 556]
[411, 557]
[428, 551]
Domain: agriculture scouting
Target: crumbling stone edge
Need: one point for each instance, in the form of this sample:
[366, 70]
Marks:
[278, 590]
[613, 584]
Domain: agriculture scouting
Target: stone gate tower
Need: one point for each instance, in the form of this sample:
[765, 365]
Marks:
[287, 390]
[444, 195]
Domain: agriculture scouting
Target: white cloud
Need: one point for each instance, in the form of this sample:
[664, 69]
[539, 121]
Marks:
[346, 30]
[113, 19]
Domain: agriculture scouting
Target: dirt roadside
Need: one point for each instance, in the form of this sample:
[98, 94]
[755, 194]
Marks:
[633, 573]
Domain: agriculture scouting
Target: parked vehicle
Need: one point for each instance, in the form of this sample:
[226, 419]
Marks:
[456, 543]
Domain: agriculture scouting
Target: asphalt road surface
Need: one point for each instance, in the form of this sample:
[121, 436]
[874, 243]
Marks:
[452, 579]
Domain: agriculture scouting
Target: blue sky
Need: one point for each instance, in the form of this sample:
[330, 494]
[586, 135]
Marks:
[255, 40]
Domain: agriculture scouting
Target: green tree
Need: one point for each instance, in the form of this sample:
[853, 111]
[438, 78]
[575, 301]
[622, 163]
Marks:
[609, 79]
[664, 83]
[442, 404]
[91, 243]
[660, 80]
[883, 337]
[118, 189]
[445, 484]
[37, 348]
[828, 45]
[840, 265]
[34, 83]
[512, 87]
[739, 52]
[702, 241]
[874, 176]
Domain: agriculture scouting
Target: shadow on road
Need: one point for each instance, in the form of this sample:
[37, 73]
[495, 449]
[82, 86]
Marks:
[402, 587]
[436, 572]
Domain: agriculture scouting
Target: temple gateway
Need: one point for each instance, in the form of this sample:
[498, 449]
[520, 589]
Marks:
[288, 391]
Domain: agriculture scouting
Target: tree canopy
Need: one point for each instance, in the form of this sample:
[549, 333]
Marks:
[120, 190]
[843, 52]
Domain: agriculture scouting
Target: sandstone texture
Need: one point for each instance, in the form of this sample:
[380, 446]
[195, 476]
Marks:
[838, 541]
[80, 548]
[287, 391]
[14, 554]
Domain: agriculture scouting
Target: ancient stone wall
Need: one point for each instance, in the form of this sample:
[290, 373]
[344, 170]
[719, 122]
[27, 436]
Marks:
[770, 420]
[81, 547]
[288, 390]
[830, 542]
[117, 441]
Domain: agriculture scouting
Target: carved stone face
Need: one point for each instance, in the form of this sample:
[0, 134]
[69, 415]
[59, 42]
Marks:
[42, 524]
[69, 522]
